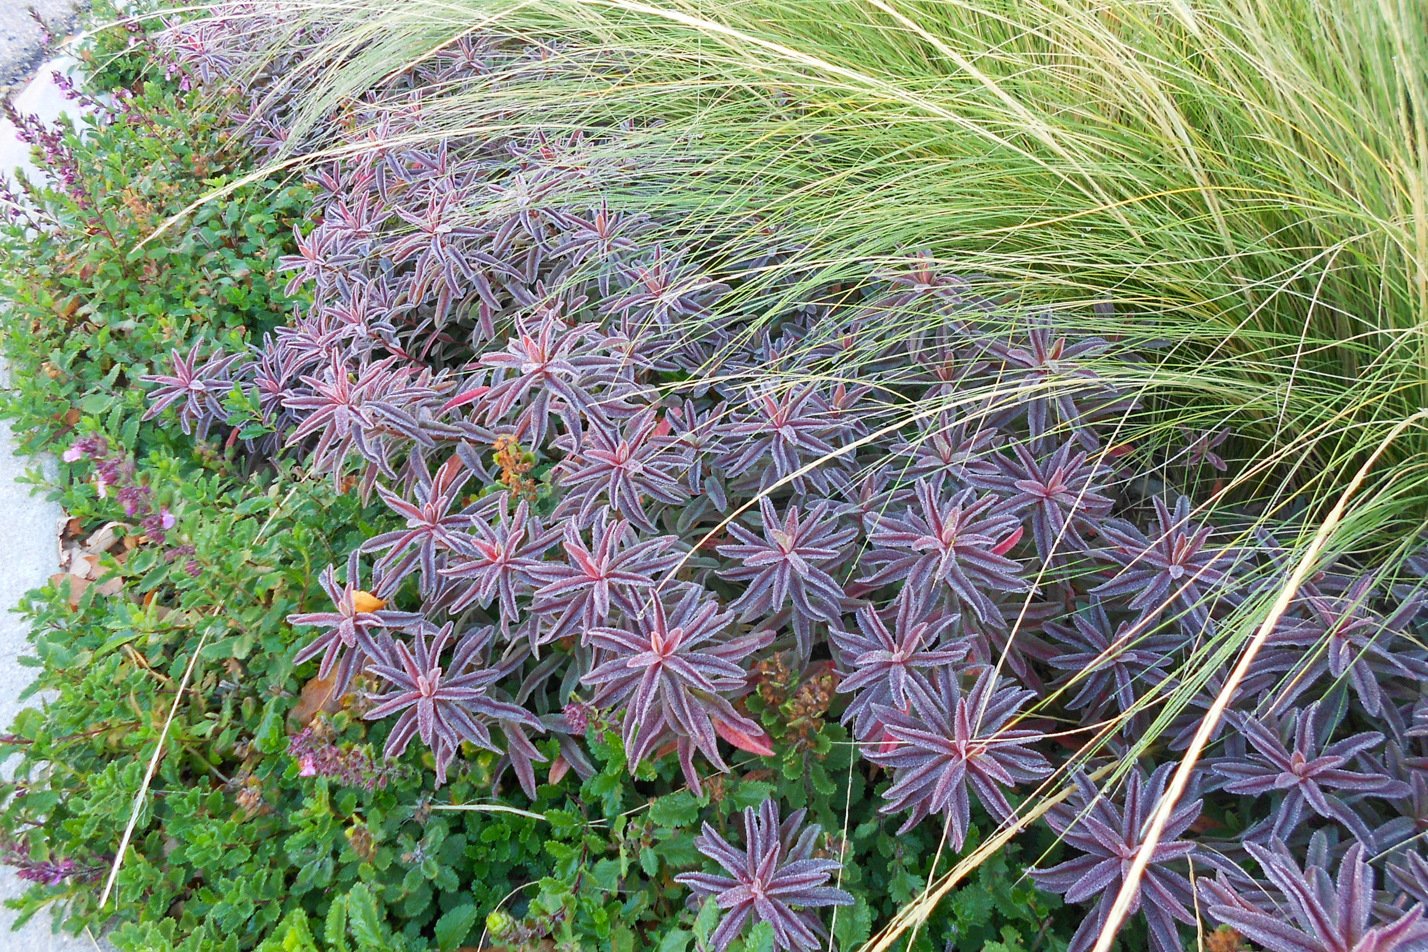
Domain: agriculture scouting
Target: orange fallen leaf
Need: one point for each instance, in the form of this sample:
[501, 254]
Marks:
[367, 602]
[318, 697]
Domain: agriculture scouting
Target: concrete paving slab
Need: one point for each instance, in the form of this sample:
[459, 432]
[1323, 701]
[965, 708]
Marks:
[32, 532]
[22, 40]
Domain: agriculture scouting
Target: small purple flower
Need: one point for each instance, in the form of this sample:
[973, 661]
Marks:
[773, 879]
[318, 756]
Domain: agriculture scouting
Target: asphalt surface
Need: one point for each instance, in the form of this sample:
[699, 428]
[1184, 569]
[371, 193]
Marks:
[21, 40]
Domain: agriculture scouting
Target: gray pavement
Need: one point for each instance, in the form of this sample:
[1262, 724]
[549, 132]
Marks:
[32, 527]
[20, 36]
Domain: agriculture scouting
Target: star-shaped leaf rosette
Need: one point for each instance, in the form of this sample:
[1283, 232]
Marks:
[351, 628]
[773, 879]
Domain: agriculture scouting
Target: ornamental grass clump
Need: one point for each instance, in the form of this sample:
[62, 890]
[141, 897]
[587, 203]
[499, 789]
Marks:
[939, 527]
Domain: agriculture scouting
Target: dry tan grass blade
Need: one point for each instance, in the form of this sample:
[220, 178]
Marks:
[149, 774]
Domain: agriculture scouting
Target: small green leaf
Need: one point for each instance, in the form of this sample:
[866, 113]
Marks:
[366, 920]
[454, 925]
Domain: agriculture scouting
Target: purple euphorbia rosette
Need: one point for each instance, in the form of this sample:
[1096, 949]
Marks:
[947, 547]
[786, 567]
[1311, 910]
[773, 878]
[1306, 775]
[951, 743]
[351, 627]
[670, 671]
[446, 702]
[883, 664]
[615, 571]
[1107, 833]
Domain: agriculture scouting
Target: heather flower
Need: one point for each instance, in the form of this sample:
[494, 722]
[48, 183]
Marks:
[1108, 837]
[442, 703]
[1176, 567]
[351, 628]
[615, 570]
[957, 546]
[773, 879]
[50, 872]
[671, 670]
[318, 756]
[881, 666]
[1309, 774]
[496, 560]
[1318, 913]
[620, 467]
[787, 565]
[949, 741]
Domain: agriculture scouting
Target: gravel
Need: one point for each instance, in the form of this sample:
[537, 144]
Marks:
[21, 42]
